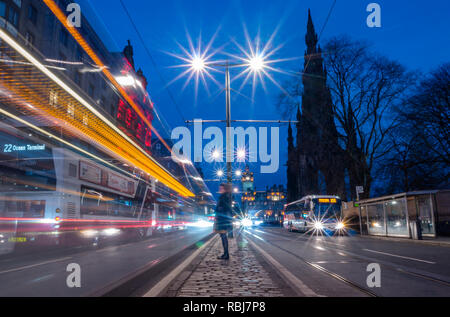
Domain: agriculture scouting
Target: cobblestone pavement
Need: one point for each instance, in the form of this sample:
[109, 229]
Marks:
[241, 276]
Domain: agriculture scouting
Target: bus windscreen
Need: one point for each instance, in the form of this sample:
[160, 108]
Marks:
[327, 207]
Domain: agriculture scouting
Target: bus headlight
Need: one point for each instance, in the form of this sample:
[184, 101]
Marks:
[318, 225]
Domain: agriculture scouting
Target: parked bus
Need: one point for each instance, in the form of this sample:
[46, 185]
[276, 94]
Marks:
[314, 214]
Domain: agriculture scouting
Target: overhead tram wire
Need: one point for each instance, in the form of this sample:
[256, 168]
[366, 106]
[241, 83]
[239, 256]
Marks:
[162, 78]
[60, 15]
[319, 37]
[322, 30]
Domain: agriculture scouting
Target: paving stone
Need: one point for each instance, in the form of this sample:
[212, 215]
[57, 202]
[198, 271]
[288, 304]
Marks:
[241, 276]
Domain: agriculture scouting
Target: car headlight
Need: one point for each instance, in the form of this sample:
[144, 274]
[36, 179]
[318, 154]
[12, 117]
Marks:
[340, 226]
[89, 233]
[247, 222]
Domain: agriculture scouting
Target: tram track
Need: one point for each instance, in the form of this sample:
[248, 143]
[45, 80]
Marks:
[325, 271]
[394, 268]
[352, 256]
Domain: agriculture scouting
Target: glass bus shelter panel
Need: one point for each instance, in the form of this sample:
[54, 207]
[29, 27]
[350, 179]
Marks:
[363, 217]
[375, 218]
[425, 212]
[397, 218]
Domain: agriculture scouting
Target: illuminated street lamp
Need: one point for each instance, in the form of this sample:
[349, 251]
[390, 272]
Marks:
[241, 155]
[198, 64]
[255, 63]
[216, 155]
[220, 173]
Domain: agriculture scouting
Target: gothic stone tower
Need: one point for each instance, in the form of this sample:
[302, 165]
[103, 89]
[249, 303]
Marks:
[308, 138]
[317, 138]
[292, 168]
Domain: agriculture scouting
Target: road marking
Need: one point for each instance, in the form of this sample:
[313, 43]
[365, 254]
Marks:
[331, 262]
[303, 238]
[290, 278]
[164, 283]
[256, 236]
[399, 256]
[34, 265]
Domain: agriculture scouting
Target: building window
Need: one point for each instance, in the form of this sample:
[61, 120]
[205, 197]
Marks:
[71, 110]
[53, 98]
[79, 56]
[2, 9]
[62, 57]
[91, 90]
[13, 17]
[29, 39]
[64, 37]
[102, 102]
[78, 78]
[32, 14]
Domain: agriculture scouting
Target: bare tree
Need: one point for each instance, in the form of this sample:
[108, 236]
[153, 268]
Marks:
[407, 167]
[365, 88]
[420, 155]
[429, 111]
[290, 100]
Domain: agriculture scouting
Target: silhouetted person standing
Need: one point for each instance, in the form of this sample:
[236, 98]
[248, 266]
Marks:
[224, 218]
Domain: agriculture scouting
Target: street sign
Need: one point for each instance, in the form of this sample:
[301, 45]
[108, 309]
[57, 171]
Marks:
[359, 190]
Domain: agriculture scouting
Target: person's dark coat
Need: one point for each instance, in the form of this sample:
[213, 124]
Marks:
[224, 218]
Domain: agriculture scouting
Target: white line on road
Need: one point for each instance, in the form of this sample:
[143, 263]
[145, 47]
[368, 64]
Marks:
[162, 285]
[290, 278]
[34, 265]
[399, 256]
[256, 236]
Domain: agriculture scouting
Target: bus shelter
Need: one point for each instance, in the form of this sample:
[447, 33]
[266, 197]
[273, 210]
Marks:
[408, 215]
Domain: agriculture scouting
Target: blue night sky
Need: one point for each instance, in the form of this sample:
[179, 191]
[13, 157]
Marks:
[414, 32]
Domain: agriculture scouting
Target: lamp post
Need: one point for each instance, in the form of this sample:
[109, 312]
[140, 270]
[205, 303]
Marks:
[255, 63]
[228, 118]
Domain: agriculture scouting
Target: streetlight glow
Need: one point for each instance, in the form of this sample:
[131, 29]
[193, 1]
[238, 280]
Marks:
[198, 64]
[216, 155]
[241, 154]
[256, 63]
